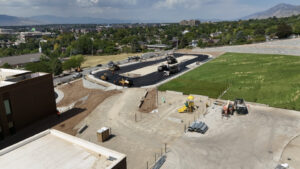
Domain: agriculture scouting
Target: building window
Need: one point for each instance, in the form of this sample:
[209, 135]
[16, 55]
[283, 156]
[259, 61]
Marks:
[7, 107]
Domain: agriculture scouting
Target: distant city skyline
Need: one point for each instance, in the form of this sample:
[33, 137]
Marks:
[142, 10]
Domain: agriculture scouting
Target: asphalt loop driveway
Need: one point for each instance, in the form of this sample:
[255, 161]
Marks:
[151, 78]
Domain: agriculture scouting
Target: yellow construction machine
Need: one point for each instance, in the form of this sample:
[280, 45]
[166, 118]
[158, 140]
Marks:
[104, 77]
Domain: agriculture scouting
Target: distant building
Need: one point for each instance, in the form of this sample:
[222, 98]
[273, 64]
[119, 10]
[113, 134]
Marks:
[190, 22]
[216, 34]
[194, 43]
[157, 47]
[21, 59]
[35, 34]
[185, 32]
[25, 98]
[53, 149]
[6, 31]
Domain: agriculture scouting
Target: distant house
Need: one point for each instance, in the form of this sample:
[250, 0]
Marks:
[21, 59]
[157, 47]
[216, 34]
[185, 32]
[194, 43]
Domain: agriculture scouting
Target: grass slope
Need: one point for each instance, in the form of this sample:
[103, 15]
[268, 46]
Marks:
[267, 79]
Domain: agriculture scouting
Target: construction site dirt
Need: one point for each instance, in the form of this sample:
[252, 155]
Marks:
[150, 102]
[150, 78]
[74, 92]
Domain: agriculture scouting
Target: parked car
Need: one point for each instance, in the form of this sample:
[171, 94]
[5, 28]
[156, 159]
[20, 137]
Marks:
[77, 75]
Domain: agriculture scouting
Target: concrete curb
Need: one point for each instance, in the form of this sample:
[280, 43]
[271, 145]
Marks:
[285, 145]
[60, 95]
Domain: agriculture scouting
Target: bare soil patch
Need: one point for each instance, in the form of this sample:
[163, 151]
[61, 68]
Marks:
[149, 102]
[74, 92]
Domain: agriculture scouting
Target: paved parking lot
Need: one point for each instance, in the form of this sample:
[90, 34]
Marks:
[151, 78]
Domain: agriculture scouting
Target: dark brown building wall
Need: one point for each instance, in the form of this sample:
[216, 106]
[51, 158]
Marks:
[121, 165]
[30, 100]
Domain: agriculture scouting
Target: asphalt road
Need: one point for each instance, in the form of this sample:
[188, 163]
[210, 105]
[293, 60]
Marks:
[68, 78]
[151, 78]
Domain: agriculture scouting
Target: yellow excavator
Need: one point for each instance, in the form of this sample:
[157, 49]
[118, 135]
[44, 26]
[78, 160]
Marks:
[189, 105]
[104, 77]
[126, 82]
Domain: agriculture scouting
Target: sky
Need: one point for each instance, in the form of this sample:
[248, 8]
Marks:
[141, 10]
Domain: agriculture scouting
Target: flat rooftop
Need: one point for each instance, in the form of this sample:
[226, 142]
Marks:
[11, 76]
[53, 149]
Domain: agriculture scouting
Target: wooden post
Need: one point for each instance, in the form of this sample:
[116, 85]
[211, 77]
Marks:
[165, 147]
[135, 116]
[147, 165]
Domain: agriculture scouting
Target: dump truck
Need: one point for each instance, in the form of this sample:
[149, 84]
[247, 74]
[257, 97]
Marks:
[171, 59]
[174, 68]
[240, 106]
[162, 68]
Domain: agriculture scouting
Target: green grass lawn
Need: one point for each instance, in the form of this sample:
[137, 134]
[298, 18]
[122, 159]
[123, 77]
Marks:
[267, 79]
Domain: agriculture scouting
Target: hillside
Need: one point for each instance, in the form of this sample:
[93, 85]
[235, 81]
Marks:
[6, 20]
[280, 11]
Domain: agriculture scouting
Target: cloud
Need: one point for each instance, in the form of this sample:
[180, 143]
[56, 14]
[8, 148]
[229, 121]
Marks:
[187, 3]
[105, 3]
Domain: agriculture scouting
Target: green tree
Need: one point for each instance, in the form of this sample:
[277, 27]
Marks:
[73, 62]
[42, 66]
[56, 66]
[284, 30]
[6, 66]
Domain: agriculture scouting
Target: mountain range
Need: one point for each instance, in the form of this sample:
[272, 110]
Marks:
[280, 10]
[6, 20]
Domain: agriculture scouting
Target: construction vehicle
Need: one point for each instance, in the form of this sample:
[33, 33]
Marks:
[189, 105]
[174, 68]
[104, 77]
[228, 109]
[162, 68]
[125, 82]
[134, 58]
[171, 59]
[113, 67]
[240, 106]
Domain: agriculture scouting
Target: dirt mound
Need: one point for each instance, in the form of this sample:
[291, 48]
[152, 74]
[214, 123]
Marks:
[149, 102]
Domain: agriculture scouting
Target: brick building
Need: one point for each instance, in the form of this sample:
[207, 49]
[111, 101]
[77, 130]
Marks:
[25, 98]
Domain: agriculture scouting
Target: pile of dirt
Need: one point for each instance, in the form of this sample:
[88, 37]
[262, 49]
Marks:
[73, 93]
[149, 102]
